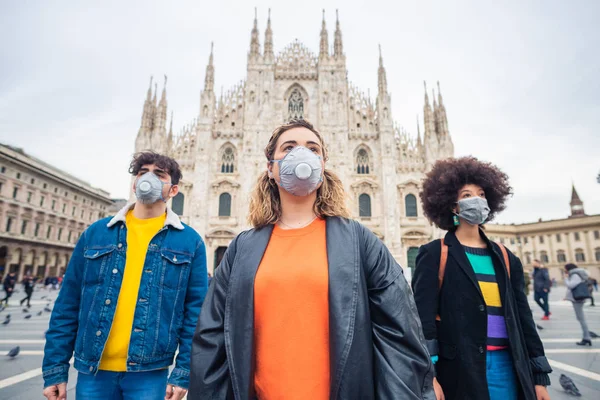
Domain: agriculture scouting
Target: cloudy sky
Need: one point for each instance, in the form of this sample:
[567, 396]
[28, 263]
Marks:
[520, 81]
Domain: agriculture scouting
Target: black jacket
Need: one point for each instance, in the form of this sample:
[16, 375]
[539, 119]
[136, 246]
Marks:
[541, 280]
[460, 337]
[377, 349]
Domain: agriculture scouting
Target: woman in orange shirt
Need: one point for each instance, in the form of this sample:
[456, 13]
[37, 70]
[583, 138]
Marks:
[309, 304]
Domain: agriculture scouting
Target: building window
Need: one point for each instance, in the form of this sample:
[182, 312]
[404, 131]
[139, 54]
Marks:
[45, 186]
[69, 237]
[37, 229]
[59, 233]
[3, 169]
[525, 240]
[364, 205]
[558, 238]
[42, 201]
[528, 258]
[411, 257]
[18, 175]
[597, 252]
[577, 237]
[53, 204]
[29, 194]
[55, 190]
[82, 211]
[544, 257]
[512, 240]
[15, 192]
[596, 235]
[73, 212]
[362, 162]
[177, 204]
[579, 255]
[225, 205]
[296, 105]
[64, 208]
[23, 227]
[48, 232]
[91, 215]
[541, 239]
[227, 161]
[9, 222]
[1, 184]
[32, 181]
[411, 205]
[561, 257]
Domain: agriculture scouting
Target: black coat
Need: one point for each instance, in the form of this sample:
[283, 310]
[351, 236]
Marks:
[460, 337]
[377, 348]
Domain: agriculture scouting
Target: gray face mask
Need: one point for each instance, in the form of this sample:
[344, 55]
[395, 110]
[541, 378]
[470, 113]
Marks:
[300, 171]
[474, 210]
[148, 188]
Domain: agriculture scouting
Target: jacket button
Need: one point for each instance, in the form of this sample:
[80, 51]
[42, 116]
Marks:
[122, 226]
[107, 302]
[115, 271]
[480, 349]
[481, 308]
[91, 369]
[120, 245]
[98, 333]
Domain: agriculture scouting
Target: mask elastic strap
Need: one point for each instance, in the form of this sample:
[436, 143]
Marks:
[161, 196]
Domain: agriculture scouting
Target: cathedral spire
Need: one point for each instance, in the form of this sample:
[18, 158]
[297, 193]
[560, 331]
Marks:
[170, 136]
[576, 204]
[324, 47]
[154, 100]
[440, 101]
[254, 43]
[426, 98]
[148, 112]
[269, 39]
[149, 95]
[381, 76]
[338, 49]
[209, 77]
[434, 100]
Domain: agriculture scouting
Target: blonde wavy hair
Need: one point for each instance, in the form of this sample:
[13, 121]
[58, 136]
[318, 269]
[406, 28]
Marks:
[265, 204]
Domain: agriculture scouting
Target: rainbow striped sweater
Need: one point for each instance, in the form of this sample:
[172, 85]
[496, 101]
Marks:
[481, 261]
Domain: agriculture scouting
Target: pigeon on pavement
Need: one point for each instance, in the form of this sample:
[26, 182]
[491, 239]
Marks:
[569, 386]
[14, 352]
[40, 313]
[6, 321]
[47, 309]
[539, 327]
[44, 297]
[7, 316]
[28, 316]
[25, 310]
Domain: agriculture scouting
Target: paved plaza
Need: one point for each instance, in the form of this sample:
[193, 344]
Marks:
[20, 378]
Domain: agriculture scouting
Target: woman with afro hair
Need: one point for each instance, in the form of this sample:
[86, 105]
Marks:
[469, 292]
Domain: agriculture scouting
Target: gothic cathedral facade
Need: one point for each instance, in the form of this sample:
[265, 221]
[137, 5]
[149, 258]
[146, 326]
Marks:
[221, 151]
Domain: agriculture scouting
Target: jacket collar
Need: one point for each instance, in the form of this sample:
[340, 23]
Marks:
[172, 218]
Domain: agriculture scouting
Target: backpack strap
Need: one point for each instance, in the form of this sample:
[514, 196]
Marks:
[506, 259]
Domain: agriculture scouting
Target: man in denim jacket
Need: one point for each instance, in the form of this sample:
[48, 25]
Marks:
[130, 298]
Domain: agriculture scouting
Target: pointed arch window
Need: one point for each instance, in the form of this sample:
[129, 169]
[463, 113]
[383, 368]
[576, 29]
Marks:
[411, 257]
[295, 105]
[364, 205]
[228, 161]
[177, 204]
[362, 162]
[411, 205]
[225, 205]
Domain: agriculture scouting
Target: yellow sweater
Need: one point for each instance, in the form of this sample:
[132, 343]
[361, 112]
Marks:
[139, 234]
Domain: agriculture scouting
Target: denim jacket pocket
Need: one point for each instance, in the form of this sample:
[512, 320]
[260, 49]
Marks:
[174, 268]
[97, 260]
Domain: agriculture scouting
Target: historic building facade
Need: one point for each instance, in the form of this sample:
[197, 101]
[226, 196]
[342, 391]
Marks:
[221, 151]
[43, 211]
[575, 239]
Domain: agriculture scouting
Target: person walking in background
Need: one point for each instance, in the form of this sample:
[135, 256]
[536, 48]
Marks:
[526, 281]
[575, 294]
[470, 292]
[541, 287]
[592, 286]
[309, 304]
[9, 286]
[28, 284]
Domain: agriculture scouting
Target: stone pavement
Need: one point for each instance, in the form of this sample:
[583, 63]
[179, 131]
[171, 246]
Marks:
[20, 379]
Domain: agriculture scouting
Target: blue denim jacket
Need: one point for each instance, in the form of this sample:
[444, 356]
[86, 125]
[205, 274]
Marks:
[172, 289]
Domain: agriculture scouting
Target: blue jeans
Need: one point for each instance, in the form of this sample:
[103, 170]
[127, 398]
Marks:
[108, 385]
[501, 377]
[538, 297]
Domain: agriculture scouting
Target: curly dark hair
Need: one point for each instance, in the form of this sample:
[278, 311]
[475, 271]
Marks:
[442, 183]
[150, 157]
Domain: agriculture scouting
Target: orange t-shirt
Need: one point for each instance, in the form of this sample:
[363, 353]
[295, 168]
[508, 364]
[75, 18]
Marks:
[291, 316]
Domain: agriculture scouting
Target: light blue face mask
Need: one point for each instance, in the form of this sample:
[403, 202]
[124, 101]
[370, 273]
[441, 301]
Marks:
[148, 188]
[300, 171]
